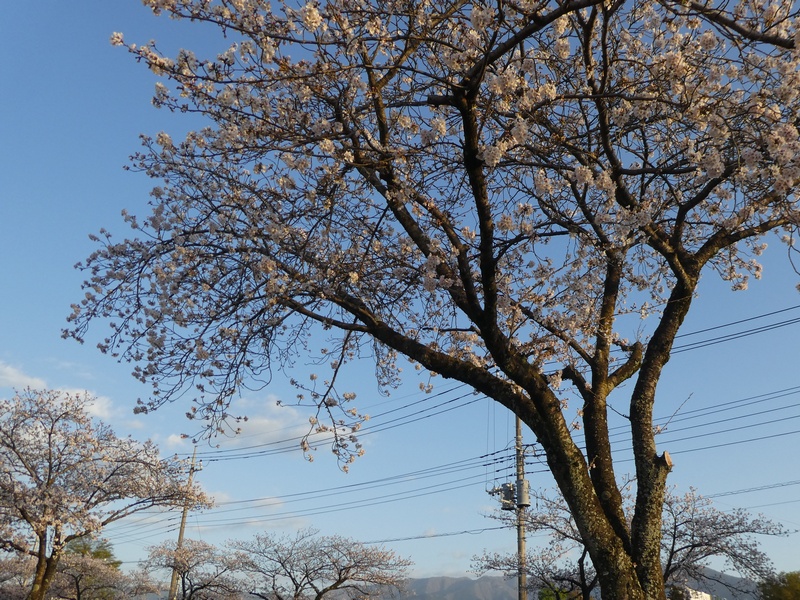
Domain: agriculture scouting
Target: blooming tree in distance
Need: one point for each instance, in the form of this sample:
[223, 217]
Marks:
[311, 566]
[520, 195]
[88, 570]
[693, 532]
[64, 476]
[203, 571]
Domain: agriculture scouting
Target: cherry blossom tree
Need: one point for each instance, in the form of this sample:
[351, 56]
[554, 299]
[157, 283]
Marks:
[694, 531]
[311, 567]
[16, 574]
[88, 570]
[204, 573]
[521, 195]
[64, 476]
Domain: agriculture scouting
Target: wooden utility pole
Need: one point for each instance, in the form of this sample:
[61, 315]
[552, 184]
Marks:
[173, 584]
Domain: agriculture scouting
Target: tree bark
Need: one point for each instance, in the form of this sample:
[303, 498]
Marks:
[45, 571]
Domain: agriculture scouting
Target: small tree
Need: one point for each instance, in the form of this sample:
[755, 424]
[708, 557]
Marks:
[204, 573]
[88, 570]
[675, 592]
[555, 594]
[785, 586]
[695, 531]
[64, 477]
[312, 566]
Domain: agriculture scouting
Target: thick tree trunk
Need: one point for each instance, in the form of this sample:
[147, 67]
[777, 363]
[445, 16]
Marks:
[618, 572]
[609, 549]
[44, 574]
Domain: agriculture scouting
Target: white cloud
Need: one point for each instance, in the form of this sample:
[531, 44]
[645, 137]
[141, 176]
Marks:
[176, 440]
[101, 407]
[14, 378]
[266, 423]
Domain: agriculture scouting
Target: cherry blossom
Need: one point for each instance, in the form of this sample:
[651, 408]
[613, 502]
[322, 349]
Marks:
[308, 565]
[493, 191]
[64, 477]
[694, 532]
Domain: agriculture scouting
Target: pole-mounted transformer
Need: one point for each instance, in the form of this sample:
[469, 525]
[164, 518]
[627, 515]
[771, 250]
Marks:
[507, 496]
[523, 496]
[514, 495]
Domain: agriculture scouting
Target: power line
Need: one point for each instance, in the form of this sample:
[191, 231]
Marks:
[733, 336]
[737, 442]
[437, 535]
[495, 459]
[220, 454]
[760, 488]
[451, 404]
[739, 322]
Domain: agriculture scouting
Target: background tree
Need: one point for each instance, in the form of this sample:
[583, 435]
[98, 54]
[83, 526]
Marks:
[496, 191]
[677, 593]
[204, 573]
[96, 548]
[785, 586]
[16, 574]
[138, 583]
[88, 570]
[64, 476]
[694, 531]
[310, 567]
[557, 594]
[561, 566]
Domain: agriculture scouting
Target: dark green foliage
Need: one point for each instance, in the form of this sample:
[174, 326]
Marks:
[94, 548]
[88, 570]
[677, 593]
[785, 586]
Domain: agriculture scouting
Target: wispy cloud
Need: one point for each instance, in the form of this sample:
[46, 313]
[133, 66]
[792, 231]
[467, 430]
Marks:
[267, 423]
[13, 377]
[100, 407]
[176, 441]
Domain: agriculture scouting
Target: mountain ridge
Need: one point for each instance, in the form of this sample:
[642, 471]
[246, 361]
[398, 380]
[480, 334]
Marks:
[489, 587]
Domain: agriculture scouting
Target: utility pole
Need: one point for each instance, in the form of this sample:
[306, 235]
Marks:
[173, 584]
[517, 497]
[523, 501]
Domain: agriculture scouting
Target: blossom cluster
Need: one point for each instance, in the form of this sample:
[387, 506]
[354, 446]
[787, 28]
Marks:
[456, 186]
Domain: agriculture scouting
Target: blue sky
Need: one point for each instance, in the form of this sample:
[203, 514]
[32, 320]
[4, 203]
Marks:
[71, 109]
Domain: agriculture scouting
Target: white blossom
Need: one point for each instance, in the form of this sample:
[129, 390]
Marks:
[492, 191]
[311, 17]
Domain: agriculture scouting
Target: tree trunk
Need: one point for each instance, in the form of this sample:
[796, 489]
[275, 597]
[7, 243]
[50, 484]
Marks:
[44, 574]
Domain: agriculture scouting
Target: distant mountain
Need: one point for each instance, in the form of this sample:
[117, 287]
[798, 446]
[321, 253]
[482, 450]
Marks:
[461, 588]
[499, 588]
[725, 587]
